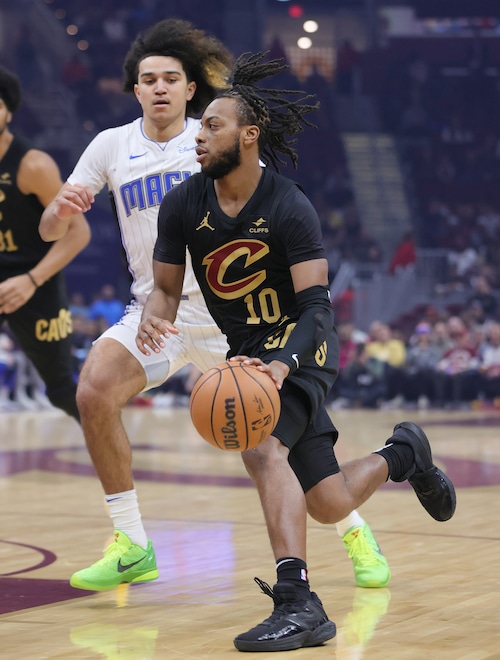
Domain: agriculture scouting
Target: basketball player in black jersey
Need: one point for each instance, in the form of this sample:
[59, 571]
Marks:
[256, 249]
[32, 288]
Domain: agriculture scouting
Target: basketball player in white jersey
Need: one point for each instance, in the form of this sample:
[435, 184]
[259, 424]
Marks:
[174, 70]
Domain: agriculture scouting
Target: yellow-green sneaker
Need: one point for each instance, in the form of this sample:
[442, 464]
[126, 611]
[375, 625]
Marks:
[123, 561]
[371, 569]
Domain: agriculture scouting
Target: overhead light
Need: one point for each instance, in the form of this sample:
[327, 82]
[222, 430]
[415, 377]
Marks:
[304, 43]
[310, 26]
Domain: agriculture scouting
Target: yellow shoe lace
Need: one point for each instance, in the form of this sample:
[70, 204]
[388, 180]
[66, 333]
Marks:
[361, 547]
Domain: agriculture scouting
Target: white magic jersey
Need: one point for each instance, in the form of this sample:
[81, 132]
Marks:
[139, 171]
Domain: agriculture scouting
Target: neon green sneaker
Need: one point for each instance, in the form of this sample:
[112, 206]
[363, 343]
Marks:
[371, 569]
[123, 561]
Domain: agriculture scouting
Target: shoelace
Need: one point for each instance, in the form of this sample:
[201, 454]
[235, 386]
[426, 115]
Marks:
[360, 546]
[110, 553]
[280, 607]
[112, 547]
[265, 588]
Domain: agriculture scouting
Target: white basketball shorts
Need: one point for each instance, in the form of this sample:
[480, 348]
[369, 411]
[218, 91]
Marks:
[199, 342]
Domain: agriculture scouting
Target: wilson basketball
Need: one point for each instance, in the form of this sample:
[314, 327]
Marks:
[234, 406]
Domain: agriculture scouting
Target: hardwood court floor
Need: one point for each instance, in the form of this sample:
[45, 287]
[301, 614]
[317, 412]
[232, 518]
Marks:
[204, 518]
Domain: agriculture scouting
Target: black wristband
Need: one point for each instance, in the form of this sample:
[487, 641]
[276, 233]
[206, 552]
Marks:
[313, 326]
[32, 279]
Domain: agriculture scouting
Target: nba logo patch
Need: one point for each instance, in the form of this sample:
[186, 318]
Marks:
[303, 574]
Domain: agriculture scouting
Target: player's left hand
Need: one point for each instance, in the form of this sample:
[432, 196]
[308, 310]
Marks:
[151, 332]
[15, 292]
[277, 370]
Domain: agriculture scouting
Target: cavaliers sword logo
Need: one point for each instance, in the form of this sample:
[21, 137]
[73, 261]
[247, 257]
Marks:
[219, 261]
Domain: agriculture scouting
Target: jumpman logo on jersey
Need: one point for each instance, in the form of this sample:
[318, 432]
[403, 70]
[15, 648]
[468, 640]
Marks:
[205, 223]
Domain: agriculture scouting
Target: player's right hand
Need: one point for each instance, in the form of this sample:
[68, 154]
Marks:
[151, 332]
[72, 199]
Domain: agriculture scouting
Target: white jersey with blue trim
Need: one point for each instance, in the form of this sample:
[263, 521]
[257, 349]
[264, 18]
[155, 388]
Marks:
[139, 172]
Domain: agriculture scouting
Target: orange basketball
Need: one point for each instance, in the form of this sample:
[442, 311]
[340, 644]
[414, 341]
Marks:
[234, 406]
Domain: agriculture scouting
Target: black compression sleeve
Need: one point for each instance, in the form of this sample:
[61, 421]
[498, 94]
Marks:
[312, 328]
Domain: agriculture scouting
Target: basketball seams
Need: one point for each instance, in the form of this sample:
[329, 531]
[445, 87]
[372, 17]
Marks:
[240, 397]
[214, 401]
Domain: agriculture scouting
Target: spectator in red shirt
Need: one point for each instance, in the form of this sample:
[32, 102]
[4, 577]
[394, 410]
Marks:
[405, 254]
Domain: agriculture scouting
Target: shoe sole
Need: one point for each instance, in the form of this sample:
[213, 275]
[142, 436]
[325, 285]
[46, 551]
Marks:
[316, 637]
[430, 471]
[449, 497]
[373, 584]
[89, 586]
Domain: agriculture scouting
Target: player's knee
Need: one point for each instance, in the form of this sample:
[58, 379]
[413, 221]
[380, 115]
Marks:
[325, 516]
[253, 460]
[325, 506]
[267, 455]
[319, 510]
[89, 398]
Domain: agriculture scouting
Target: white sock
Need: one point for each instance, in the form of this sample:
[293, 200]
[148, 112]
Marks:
[126, 517]
[352, 520]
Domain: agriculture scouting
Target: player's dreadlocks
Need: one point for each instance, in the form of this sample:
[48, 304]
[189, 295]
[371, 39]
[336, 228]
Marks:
[10, 89]
[275, 115]
[205, 59]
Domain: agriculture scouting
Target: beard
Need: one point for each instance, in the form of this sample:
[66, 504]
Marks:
[224, 163]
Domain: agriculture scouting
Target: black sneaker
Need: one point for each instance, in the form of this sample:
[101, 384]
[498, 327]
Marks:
[433, 488]
[293, 624]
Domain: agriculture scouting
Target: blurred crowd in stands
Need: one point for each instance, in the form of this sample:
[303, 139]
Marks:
[446, 362]
[445, 107]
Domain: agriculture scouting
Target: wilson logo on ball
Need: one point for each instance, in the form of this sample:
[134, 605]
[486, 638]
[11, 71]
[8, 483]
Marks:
[234, 406]
[229, 430]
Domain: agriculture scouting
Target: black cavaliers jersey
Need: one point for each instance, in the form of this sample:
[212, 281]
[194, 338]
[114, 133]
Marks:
[243, 264]
[21, 247]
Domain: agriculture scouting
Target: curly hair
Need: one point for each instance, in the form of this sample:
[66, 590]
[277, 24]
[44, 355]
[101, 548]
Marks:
[278, 117]
[205, 59]
[10, 89]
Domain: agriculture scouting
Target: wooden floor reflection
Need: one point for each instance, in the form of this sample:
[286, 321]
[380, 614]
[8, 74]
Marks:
[205, 521]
